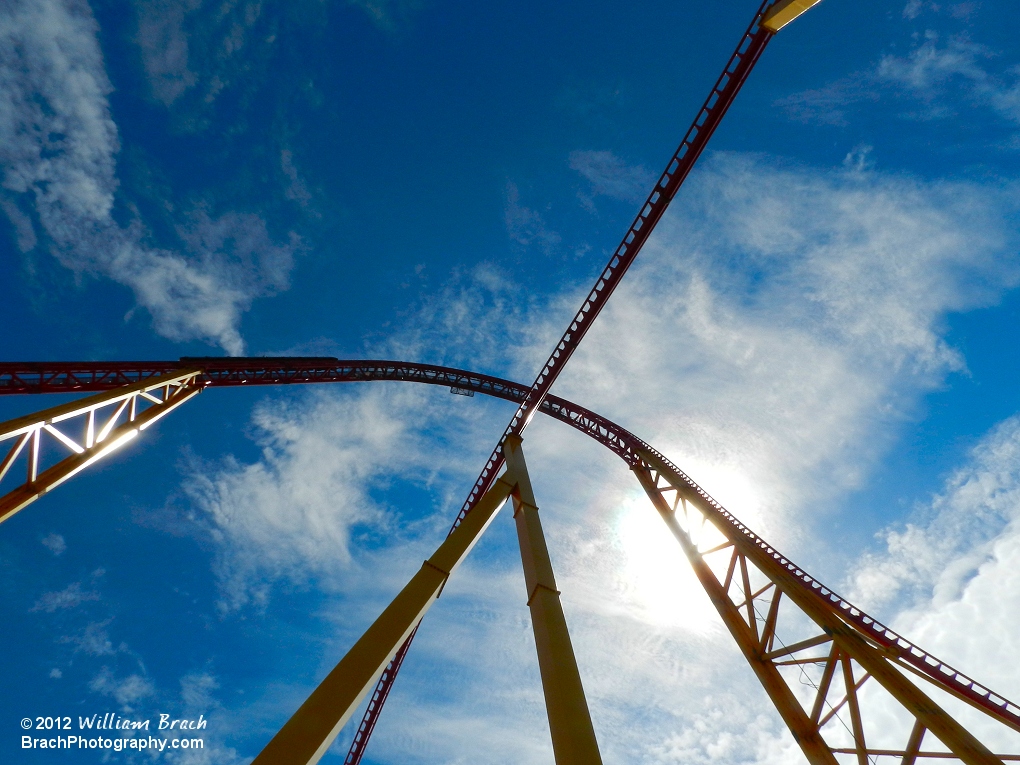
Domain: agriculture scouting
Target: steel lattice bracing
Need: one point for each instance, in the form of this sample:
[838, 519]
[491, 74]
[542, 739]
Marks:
[742, 562]
[105, 422]
[91, 376]
[725, 90]
[762, 597]
[785, 622]
[771, 15]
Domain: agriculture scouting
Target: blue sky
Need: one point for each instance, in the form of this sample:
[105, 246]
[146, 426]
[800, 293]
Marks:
[821, 332]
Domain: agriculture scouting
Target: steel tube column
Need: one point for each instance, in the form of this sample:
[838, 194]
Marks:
[307, 735]
[573, 736]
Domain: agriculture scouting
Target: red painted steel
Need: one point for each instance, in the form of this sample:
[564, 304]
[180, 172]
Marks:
[73, 377]
[739, 66]
[382, 691]
[747, 52]
[20, 377]
[276, 371]
[65, 377]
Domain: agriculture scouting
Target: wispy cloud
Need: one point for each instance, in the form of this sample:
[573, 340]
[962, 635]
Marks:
[932, 69]
[191, 48]
[94, 640]
[126, 691]
[388, 15]
[933, 557]
[612, 177]
[948, 577]
[829, 104]
[292, 514]
[58, 147]
[771, 338]
[940, 76]
[914, 8]
[297, 191]
[795, 315]
[525, 225]
[71, 596]
[164, 46]
[54, 543]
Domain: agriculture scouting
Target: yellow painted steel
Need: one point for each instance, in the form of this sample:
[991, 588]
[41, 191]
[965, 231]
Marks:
[785, 11]
[109, 440]
[307, 735]
[872, 659]
[573, 737]
[804, 731]
[20, 425]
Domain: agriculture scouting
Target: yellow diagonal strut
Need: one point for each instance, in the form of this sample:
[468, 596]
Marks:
[573, 736]
[806, 733]
[847, 642]
[307, 735]
[103, 431]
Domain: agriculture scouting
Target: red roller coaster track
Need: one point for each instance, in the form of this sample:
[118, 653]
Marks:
[757, 578]
[92, 377]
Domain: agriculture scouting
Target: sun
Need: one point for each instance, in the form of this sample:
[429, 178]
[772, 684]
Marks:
[655, 578]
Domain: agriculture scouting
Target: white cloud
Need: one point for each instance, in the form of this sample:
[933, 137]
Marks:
[23, 229]
[932, 559]
[197, 691]
[388, 15]
[772, 337]
[526, 226]
[58, 147]
[611, 176]
[127, 691]
[70, 597]
[785, 322]
[941, 76]
[954, 566]
[292, 514]
[829, 104]
[164, 45]
[913, 9]
[94, 640]
[948, 578]
[54, 543]
[297, 191]
[191, 48]
[931, 68]
[141, 698]
[198, 698]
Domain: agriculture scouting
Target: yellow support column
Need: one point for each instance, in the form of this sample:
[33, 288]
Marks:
[573, 737]
[307, 735]
[785, 11]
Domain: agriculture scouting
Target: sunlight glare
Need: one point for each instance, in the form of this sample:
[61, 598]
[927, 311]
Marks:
[656, 576]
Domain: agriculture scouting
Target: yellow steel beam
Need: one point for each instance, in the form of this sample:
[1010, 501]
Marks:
[873, 660]
[804, 730]
[573, 737]
[307, 735]
[111, 437]
[25, 424]
[785, 11]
